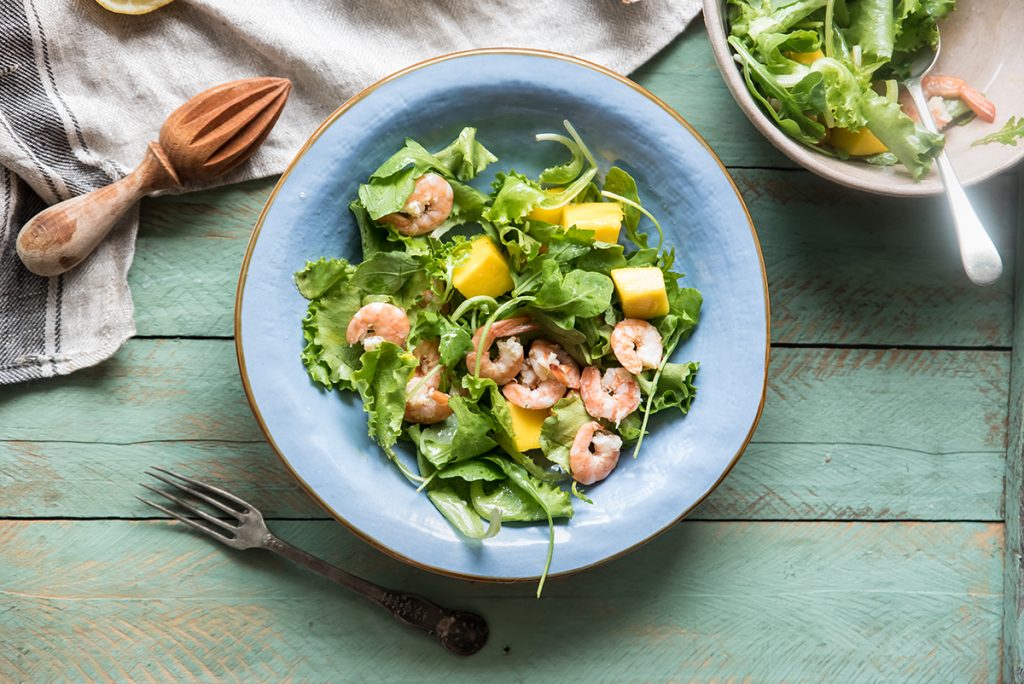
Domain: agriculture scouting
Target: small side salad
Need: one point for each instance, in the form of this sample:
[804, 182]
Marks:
[517, 339]
[828, 72]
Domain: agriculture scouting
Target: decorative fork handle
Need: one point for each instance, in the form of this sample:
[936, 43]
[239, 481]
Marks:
[461, 632]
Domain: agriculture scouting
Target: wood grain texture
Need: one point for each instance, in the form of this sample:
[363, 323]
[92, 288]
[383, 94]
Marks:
[846, 434]
[843, 267]
[829, 602]
[1013, 607]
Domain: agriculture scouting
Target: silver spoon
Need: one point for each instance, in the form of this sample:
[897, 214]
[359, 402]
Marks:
[977, 253]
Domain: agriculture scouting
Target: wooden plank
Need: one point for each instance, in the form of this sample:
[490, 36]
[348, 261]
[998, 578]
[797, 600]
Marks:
[829, 602]
[1013, 586]
[844, 267]
[846, 434]
[187, 258]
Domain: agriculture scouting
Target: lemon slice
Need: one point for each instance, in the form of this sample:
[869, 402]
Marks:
[133, 6]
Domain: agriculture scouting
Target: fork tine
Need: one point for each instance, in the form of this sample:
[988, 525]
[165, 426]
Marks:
[191, 523]
[208, 487]
[191, 508]
[199, 495]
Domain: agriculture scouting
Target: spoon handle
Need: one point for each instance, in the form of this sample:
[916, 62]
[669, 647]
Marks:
[62, 235]
[977, 253]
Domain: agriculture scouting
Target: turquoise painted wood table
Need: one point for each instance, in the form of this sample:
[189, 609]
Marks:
[870, 533]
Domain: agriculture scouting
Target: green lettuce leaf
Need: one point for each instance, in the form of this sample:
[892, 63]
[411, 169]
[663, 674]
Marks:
[914, 146]
[559, 429]
[461, 436]
[465, 157]
[381, 381]
[456, 509]
[676, 388]
[873, 27]
[515, 197]
[319, 276]
[328, 357]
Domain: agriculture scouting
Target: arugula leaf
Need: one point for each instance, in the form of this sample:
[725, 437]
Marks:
[559, 429]
[460, 514]
[319, 276]
[1010, 134]
[373, 239]
[549, 496]
[397, 274]
[473, 470]
[460, 436]
[465, 157]
[381, 381]
[510, 500]
[623, 184]
[603, 258]
[579, 293]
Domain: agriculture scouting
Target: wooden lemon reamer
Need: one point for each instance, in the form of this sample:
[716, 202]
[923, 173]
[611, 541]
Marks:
[211, 134]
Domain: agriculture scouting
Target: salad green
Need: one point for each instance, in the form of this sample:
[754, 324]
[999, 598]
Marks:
[422, 364]
[827, 71]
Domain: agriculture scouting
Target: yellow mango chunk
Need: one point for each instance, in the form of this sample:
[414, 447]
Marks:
[548, 215]
[526, 426]
[862, 143]
[604, 218]
[484, 272]
[641, 291]
[806, 57]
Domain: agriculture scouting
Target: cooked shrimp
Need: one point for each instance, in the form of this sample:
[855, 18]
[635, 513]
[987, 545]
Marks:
[378, 322]
[953, 87]
[612, 397]
[637, 345]
[510, 357]
[424, 403]
[429, 205]
[549, 360]
[594, 453]
[532, 392]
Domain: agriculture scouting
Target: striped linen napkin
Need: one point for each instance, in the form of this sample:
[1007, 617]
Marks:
[82, 90]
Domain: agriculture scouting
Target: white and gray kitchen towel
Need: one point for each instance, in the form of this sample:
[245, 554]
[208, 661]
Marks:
[82, 90]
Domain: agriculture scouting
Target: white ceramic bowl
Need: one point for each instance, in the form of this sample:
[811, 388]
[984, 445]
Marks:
[981, 43]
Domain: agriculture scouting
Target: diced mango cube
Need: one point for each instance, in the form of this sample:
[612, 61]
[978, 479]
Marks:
[484, 272]
[862, 143]
[604, 218]
[806, 57]
[548, 215]
[641, 291]
[526, 426]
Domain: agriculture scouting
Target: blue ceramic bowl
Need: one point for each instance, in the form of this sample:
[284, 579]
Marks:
[509, 95]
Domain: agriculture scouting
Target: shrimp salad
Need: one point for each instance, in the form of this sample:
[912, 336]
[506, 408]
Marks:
[828, 72]
[517, 338]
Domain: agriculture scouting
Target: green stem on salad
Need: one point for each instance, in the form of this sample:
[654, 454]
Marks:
[830, 49]
[426, 482]
[473, 303]
[419, 385]
[620, 198]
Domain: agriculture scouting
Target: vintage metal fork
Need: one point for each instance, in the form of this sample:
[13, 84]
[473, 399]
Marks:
[459, 631]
